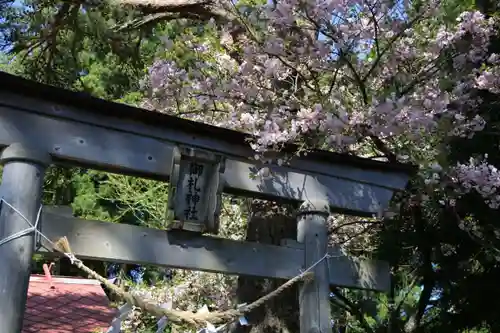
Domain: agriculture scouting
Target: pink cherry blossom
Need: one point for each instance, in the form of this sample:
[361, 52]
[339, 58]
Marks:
[341, 72]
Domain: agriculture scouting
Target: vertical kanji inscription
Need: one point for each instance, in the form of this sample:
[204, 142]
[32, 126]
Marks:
[193, 192]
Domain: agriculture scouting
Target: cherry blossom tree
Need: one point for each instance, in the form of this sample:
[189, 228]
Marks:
[381, 79]
[374, 78]
[365, 77]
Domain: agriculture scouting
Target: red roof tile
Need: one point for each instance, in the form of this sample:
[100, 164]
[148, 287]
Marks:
[71, 305]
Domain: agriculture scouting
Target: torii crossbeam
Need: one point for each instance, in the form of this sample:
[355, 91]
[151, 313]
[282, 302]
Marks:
[41, 125]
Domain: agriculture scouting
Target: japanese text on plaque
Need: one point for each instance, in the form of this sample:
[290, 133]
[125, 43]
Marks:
[193, 192]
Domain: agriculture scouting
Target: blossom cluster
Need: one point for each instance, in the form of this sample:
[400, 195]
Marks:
[489, 78]
[482, 177]
[282, 90]
[332, 74]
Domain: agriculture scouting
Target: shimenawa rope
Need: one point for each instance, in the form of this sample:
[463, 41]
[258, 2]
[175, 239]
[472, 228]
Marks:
[196, 319]
[175, 316]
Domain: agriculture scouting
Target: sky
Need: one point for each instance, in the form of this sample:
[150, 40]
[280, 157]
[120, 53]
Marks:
[16, 3]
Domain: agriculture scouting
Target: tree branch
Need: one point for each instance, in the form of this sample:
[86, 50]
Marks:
[414, 322]
[353, 309]
[201, 10]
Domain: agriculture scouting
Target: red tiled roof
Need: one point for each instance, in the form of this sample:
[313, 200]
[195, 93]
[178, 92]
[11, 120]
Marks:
[71, 305]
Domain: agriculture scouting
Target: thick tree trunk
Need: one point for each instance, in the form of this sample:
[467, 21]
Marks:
[269, 223]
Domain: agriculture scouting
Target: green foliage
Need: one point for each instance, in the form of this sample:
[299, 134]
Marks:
[6, 63]
[85, 53]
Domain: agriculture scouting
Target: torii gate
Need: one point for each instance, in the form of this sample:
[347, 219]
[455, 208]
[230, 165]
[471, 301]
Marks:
[40, 125]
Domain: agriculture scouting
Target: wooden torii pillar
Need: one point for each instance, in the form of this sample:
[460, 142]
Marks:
[201, 162]
[20, 193]
[314, 300]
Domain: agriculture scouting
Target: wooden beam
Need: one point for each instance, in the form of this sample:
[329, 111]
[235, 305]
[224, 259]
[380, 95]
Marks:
[121, 146]
[123, 243]
[82, 107]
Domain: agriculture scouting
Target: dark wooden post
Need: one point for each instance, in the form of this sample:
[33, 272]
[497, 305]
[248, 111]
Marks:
[21, 187]
[314, 295]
